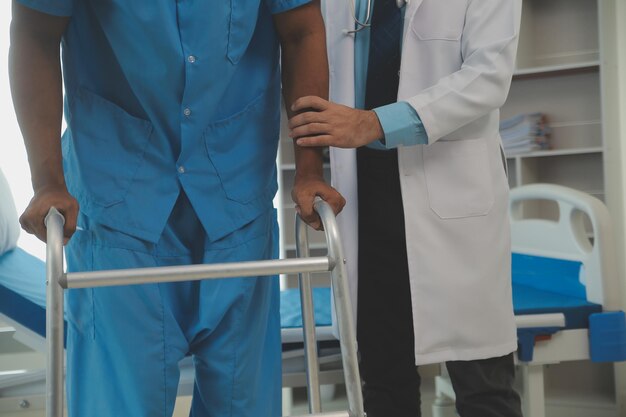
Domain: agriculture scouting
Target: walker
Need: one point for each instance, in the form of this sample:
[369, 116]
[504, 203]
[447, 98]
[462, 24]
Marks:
[304, 265]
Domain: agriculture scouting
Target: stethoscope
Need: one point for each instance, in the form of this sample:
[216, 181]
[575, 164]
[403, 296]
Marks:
[360, 25]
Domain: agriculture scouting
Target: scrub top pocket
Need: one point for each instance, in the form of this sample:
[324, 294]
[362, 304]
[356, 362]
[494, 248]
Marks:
[458, 178]
[243, 19]
[79, 302]
[103, 149]
[243, 148]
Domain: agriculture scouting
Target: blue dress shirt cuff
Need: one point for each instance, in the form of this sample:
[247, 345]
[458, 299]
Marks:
[401, 124]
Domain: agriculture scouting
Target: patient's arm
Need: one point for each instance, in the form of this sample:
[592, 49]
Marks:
[35, 74]
[305, 72]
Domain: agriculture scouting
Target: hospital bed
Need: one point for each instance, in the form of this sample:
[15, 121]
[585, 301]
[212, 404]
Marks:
[23, 306]
[565, 290]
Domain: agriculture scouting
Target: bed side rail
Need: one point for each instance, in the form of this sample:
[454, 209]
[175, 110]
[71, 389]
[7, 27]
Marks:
[568, 239]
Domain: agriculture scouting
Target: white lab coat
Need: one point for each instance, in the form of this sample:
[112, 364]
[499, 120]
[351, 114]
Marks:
[457, 63]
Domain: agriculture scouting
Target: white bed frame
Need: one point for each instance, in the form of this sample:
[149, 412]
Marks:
[567, 239]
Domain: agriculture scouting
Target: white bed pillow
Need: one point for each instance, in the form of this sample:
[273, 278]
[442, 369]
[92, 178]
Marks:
[9, 225]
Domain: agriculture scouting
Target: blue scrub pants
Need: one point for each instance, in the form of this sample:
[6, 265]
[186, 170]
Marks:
[124, 343]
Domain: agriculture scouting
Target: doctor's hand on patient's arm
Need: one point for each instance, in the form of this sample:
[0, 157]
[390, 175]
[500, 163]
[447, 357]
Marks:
[305, 189]
[32, 220]
[331, 124]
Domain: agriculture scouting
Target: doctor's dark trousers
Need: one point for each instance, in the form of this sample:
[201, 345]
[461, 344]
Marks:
[385, 336]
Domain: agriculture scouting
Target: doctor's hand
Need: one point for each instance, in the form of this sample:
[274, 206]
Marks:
[305, 189]
[323, 123]
[32, 220]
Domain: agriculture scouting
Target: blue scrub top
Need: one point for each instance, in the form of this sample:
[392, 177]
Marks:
[163, 95]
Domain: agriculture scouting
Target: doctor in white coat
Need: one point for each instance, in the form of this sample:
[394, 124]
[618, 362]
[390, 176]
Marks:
[425, 226]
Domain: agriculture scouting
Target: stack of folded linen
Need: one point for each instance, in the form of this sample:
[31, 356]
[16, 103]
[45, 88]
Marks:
[525, 133]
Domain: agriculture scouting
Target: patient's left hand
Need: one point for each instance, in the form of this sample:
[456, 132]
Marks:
[331, 124]
[305, 189]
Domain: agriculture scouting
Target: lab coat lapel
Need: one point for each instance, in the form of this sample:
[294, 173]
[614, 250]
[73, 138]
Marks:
[412, 7]
[343, 161]
[341, 53]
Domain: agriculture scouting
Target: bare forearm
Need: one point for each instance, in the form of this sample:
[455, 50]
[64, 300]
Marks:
[305, 69]
[35, 74]
[35, 77]
[305, 72]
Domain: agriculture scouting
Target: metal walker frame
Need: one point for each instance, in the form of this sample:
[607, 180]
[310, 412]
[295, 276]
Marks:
[57, 280]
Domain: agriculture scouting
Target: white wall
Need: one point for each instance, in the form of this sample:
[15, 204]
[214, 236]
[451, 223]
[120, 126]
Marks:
[621, 19]
[12, 154]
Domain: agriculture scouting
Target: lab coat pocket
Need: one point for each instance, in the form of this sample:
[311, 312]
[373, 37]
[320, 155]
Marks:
[79, 302]
[440, 20]
[243, 147]
[104, 149]
[243, 18]
[458, 178]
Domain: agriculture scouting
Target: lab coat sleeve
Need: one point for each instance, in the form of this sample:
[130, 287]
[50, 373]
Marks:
[52, 7]
[481, 85]
[279, 6]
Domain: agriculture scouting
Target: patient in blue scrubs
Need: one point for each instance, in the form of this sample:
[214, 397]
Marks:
[169, 156]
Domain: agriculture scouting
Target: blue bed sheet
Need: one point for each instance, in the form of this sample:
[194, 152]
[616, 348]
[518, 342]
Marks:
[23, 289]
[544, 285]
[291, 312]
[528, 300]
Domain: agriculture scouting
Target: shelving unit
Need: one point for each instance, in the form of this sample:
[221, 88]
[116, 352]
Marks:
[558, 74]
[559, 70]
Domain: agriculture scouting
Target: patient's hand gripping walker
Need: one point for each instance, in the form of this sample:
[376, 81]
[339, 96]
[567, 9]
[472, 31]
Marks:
[57, 281]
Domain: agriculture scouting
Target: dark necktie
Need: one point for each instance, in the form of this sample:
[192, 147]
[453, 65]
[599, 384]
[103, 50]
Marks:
[384, 54]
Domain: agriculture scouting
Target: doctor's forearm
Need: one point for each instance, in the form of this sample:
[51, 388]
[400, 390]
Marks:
[36, 86]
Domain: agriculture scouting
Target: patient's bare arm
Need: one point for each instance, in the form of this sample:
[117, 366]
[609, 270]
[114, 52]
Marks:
[35, 75]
